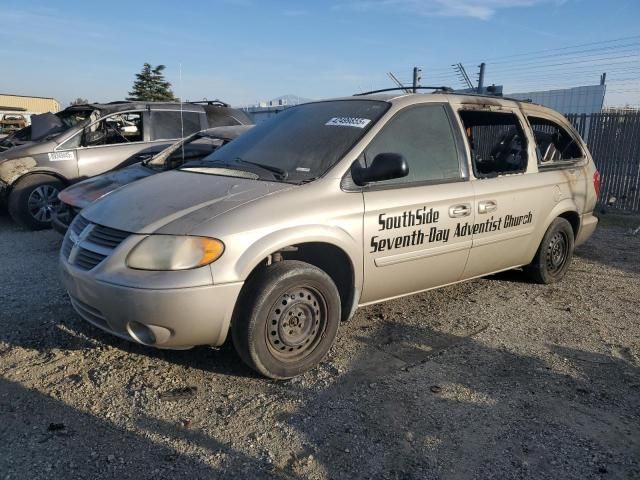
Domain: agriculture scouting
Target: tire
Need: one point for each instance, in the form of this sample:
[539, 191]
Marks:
[287, 319]
[33, 199]
[554, 254]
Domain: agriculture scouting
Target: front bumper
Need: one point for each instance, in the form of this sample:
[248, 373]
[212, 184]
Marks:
[177, 318]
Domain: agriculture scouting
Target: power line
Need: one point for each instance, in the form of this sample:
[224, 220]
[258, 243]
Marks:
[559, 49]
[505, 69]
[577, 53]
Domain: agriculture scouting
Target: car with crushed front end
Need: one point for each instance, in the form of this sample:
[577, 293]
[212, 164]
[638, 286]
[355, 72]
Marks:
[280, 235]
[194, 147]
[82, 141]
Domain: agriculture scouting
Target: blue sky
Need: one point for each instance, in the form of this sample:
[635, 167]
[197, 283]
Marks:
[243, 51]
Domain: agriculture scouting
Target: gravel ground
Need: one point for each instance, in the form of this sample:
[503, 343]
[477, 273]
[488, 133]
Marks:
[494, 378]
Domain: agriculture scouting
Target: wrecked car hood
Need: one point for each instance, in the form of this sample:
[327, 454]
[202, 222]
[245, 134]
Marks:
[84, 193]
[176, 202]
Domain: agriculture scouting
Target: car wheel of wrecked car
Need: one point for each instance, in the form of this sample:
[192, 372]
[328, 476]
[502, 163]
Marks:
[287, 319]
[554, 254]
[33, 200]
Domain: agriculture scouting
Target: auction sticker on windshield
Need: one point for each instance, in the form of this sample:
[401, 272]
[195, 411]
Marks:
[349, 122]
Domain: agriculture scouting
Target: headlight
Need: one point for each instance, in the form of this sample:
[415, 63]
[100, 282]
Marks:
[169, 252]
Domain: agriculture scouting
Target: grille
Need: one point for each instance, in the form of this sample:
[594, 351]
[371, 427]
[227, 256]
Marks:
[87, 244]
[107, 237]
[79, 224]
[86, 259]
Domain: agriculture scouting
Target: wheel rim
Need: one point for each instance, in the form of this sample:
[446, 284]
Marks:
[42, 202]
[557, 252]
[296, 324]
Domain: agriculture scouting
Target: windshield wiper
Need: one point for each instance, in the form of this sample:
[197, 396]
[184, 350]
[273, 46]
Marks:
[281, 173]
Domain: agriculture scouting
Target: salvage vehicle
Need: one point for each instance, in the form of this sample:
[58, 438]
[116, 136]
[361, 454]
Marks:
[195, 147]
[82, 141]
[280, 235]
[12, 122]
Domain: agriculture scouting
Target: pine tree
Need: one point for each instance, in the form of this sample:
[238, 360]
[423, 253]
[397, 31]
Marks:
[80, 101]
[151, 86]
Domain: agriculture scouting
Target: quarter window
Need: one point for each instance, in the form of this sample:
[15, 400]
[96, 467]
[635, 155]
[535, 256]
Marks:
[423, 135]
[553, 143]
[497, 143]
[174, 124]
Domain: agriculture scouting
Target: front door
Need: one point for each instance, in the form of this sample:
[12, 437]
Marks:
[412, 240]
[110, 142]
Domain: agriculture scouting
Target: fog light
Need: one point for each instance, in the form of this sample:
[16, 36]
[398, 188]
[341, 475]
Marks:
[141, 333]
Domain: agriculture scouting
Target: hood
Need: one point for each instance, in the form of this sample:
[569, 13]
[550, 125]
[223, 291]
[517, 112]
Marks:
[27, 149]
[176, 202]
[82, 194]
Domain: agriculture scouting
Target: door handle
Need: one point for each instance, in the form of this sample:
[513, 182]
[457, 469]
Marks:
[487, 206]
[462, 210]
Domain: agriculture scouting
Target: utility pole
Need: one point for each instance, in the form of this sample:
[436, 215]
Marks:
[417, 76]
[481, 77]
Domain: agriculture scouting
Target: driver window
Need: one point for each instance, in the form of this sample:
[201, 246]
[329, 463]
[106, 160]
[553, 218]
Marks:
[115, 129]
[423, 135]
[497, 143]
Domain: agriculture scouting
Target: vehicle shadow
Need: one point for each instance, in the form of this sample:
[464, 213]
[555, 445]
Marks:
[44, 438]
[469, 411]
[414, 402]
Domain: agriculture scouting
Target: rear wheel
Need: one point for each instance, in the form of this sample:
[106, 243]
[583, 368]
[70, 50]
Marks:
[34, 199]
[554, 254]
[287, 319]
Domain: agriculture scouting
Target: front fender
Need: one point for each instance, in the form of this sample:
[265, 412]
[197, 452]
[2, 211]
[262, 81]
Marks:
[258, 250]
[12, 169]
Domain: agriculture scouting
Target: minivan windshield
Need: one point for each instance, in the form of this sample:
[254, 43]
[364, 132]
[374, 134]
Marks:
[302, 142]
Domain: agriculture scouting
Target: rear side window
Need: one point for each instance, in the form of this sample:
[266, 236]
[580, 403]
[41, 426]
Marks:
[553, 143]
[497, 143]
[423, 135]
[172, 124]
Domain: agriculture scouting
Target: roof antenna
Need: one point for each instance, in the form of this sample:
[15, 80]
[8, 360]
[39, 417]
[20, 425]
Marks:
[181, 117]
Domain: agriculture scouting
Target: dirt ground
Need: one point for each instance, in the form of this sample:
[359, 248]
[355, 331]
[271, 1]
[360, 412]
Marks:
[495, 378]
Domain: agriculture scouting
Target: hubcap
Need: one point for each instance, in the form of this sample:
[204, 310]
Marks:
[42, 202]
[296, 323]
[556, 252]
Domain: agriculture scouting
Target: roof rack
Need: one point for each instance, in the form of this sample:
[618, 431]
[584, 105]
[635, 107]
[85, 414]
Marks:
[211, 102]
[441, 88]
[487, 95]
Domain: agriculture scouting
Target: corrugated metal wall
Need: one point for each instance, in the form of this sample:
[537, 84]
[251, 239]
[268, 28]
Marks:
[30, 104]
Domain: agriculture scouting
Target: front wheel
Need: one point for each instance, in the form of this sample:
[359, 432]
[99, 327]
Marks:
[554, 254]
[34, 199]
[287, 319]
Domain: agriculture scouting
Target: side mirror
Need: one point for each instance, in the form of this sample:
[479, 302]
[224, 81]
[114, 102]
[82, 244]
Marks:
[385, 166]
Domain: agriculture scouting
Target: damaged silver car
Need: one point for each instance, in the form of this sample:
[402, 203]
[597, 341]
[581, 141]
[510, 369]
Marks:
[195, 147]
[82, 141]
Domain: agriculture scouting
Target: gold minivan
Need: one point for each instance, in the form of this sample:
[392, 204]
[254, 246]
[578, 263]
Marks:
[280, 235]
